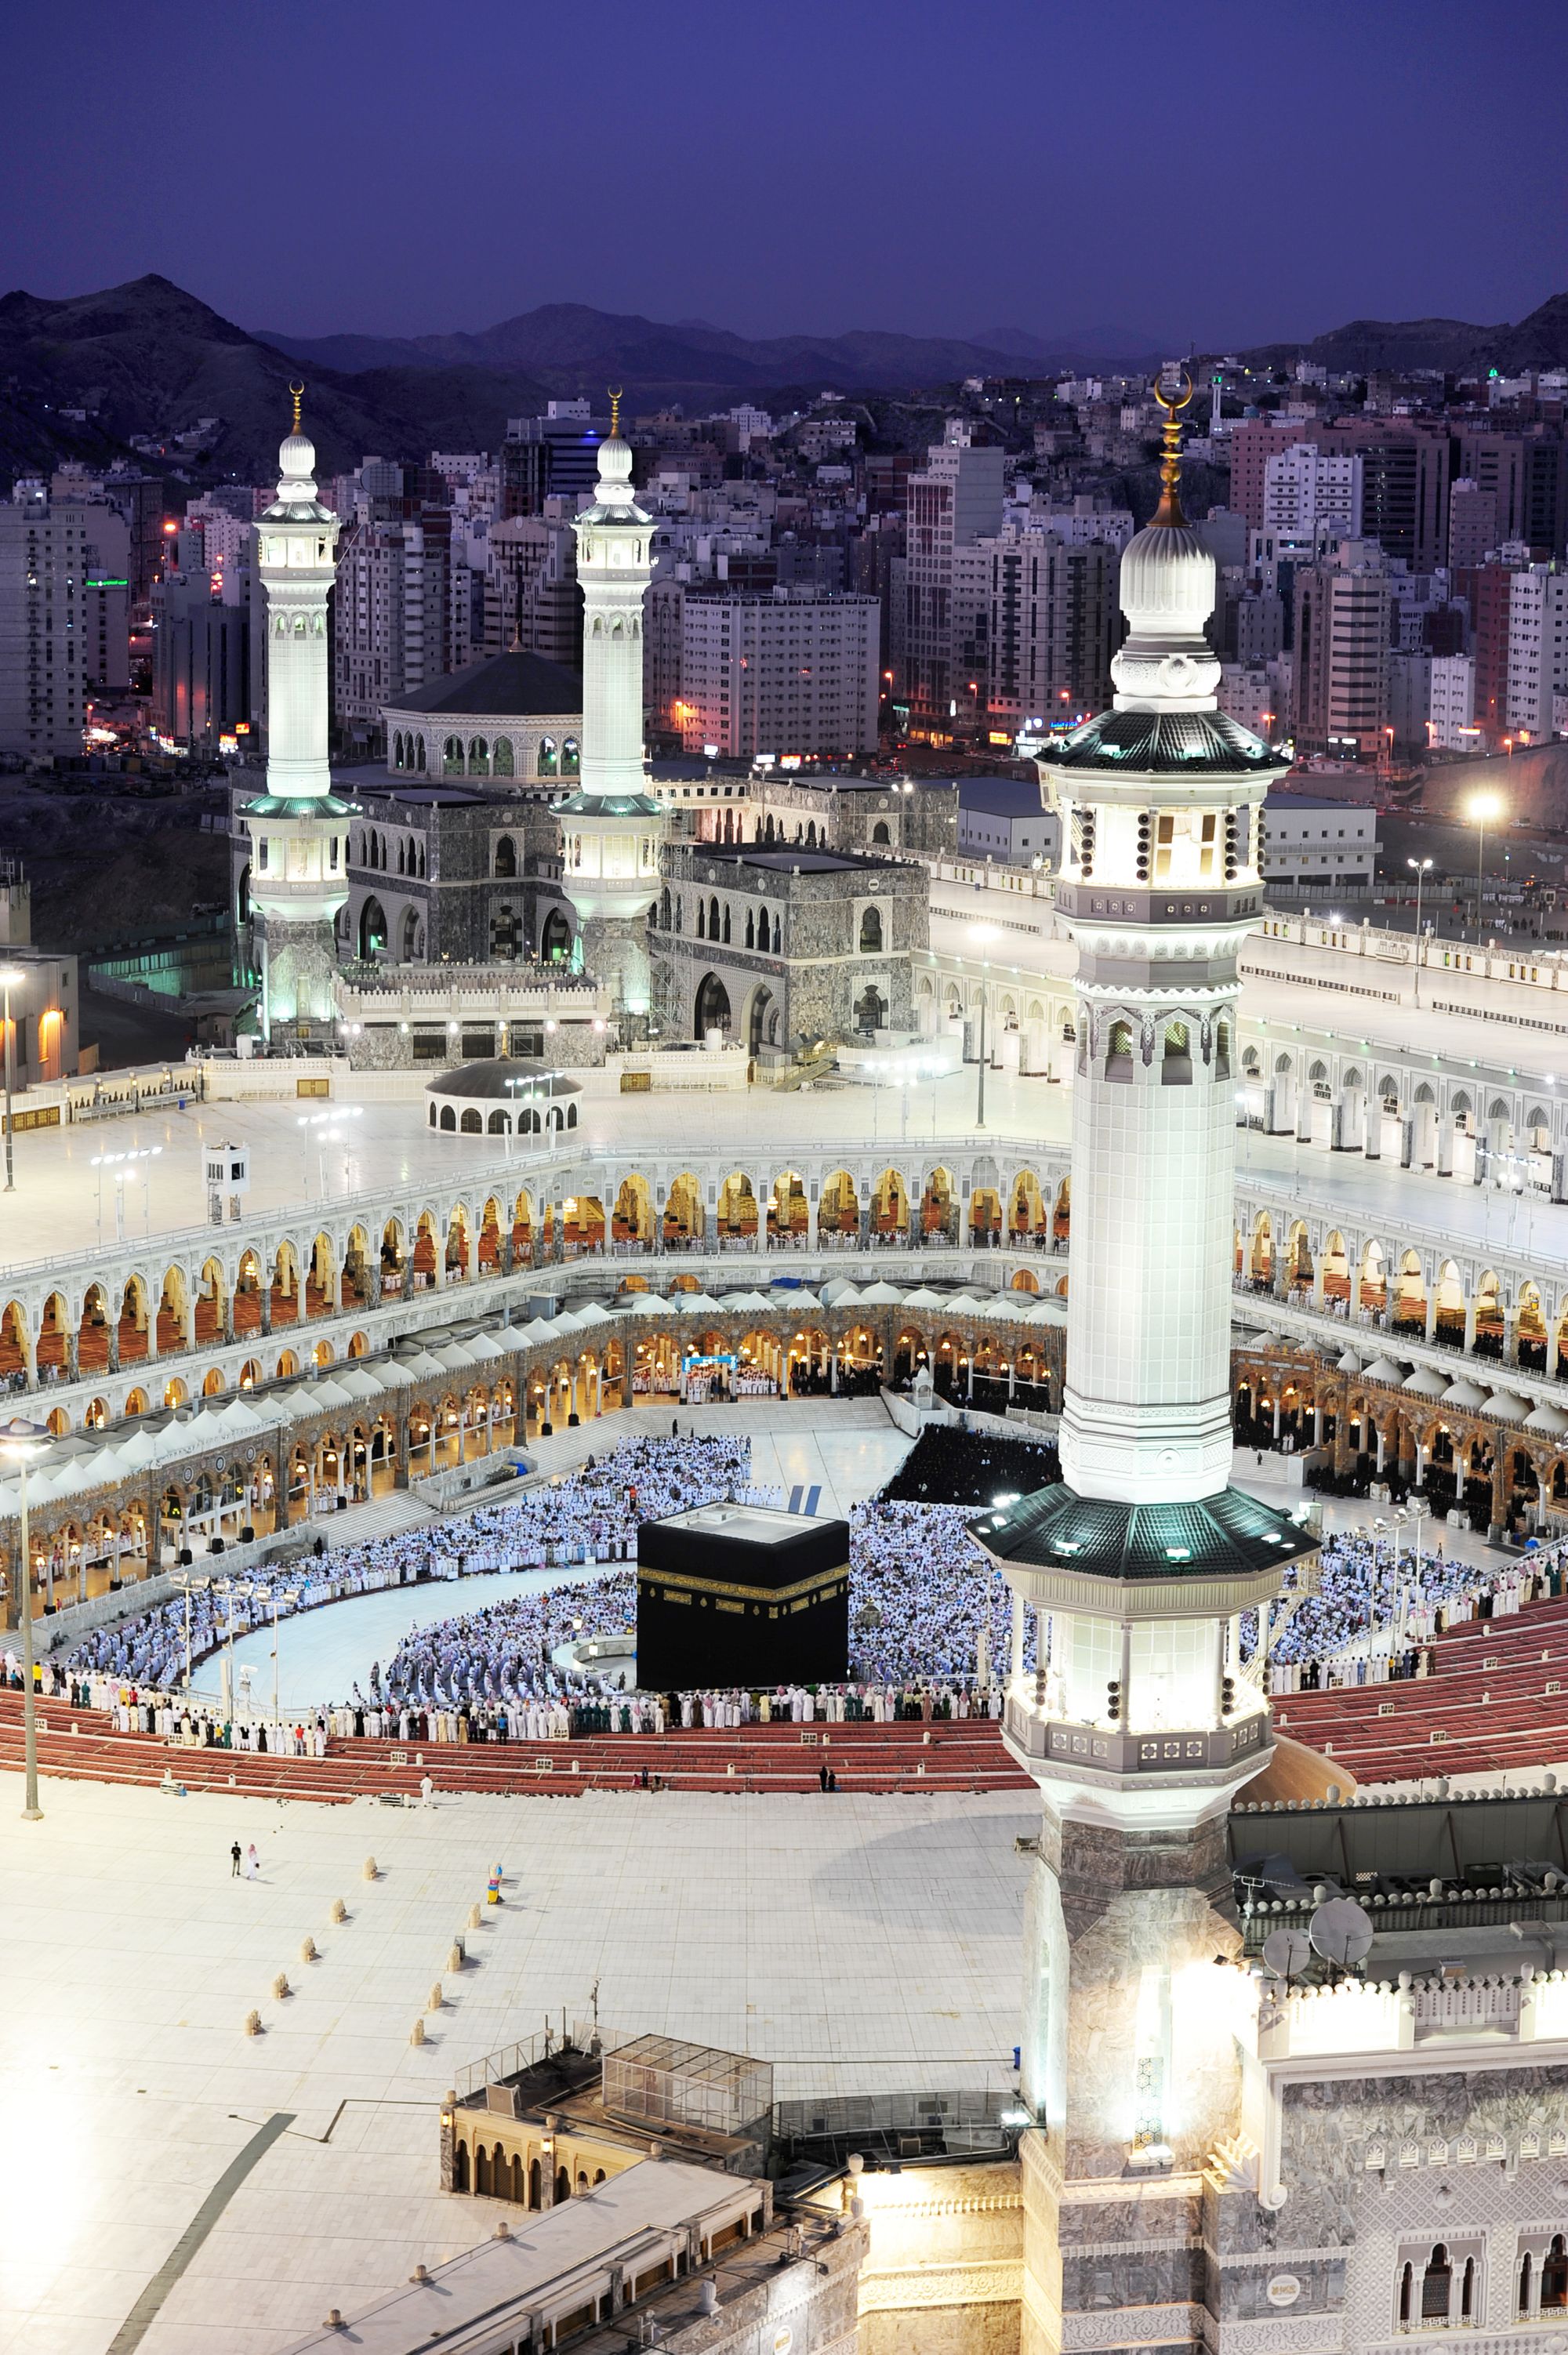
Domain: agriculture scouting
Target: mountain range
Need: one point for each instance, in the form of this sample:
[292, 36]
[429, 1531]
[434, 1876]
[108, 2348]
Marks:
[148, 359]
[573, 347]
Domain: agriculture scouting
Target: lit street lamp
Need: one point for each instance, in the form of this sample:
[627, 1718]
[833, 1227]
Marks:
[21, 1439]
[982, 935]
[10, 978]
[1482, 809]
[1422, 867]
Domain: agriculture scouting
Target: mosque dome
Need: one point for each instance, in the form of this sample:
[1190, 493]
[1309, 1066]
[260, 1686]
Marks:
[614, 460]
[1168, 581]
[296, 458]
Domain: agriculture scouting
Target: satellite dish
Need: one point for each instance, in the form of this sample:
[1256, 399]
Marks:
[1287, 1953]
[1341, 1931]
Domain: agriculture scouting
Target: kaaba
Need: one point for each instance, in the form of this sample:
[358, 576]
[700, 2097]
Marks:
[737, 1594]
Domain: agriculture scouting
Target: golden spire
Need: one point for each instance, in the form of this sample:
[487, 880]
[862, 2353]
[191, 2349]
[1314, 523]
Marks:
[615, 391]
[1169, 509]
[297, 392]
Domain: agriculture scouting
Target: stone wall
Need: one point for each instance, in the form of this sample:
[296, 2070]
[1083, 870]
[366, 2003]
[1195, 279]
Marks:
[942, 2270]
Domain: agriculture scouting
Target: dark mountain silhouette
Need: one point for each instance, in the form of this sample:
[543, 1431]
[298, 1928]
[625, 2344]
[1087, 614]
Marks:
[576, 348]
[1453, 344]
[148, 359]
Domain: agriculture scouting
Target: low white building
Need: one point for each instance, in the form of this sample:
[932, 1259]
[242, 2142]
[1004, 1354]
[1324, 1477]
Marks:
[1000, 820]
[1318, 849]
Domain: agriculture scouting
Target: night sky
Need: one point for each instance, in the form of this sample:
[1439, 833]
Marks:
[1212, 171]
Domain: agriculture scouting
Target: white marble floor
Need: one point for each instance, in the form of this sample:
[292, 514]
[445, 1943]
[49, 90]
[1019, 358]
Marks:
[860, 1943]
[843, 1449]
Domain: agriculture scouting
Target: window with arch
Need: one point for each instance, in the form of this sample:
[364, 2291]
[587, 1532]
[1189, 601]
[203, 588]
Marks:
[1221, 1050]
[871, 933]
[505, 857]
[726, 919]
[451, 756]
[714, 918]
[701, 921]
[479, 757]
[750, 930]
[1175, 1063]
[571, 757]
[548, 757]
[880, 835]
[501, 762]
[1119, 1051]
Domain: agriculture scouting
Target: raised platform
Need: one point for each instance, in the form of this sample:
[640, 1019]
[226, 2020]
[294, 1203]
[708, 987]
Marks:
[950, 1755]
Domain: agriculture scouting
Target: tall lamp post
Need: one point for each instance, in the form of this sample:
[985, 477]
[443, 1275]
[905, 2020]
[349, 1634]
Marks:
[1422, 867]
[21, 1439]
[10, 978]
[982, 935]
[1482, 809]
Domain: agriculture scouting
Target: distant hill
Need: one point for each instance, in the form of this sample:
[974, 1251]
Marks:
[1453, 344]
[576, 349]
[149, 358]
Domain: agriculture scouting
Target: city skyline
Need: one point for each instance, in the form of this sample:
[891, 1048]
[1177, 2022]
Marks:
[859, 201]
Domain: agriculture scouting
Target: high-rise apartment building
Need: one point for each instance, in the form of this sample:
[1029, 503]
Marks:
[1487, 589]
[391, 612]
[1473, 533]
[1341, 655]
[794, 672]
[955, 501]
[552, 456]
[1537, 650]
[1052, 625]
[1308, 494]
[45, 555]
[531, 594]
[201, 654]
[1451, 712]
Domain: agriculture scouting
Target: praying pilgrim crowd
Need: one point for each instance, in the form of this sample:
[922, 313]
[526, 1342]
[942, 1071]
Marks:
[929, 1619]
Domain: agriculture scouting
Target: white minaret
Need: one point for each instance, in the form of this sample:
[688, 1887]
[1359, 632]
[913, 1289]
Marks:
[611, 827]
[1140, 1720]
[298, 827]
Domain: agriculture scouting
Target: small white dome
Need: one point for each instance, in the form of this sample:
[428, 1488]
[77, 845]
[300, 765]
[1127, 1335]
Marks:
[1166, 581]
[296, 458]
[614, 460]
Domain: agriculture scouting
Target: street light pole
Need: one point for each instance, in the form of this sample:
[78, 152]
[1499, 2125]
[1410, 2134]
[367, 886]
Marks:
[1421, 866]
[10, 978]
[21, 1439]
[982, 935]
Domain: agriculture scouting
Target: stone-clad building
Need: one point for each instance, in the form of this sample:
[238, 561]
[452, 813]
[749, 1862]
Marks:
[777, 948]
[453, 873]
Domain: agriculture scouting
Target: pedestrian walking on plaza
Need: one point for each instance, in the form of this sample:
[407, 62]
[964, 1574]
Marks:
[821, 1778]
[675, 1426]
[234, 1852]
[426, 1791]
[253, 1863]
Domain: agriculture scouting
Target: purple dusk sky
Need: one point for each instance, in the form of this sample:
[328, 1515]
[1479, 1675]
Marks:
[1216, 170]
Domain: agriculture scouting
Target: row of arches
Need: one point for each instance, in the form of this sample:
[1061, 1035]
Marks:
[1418, 1294]
[228, 1297]
[345, 1458]
[502, 756]
[754, 927]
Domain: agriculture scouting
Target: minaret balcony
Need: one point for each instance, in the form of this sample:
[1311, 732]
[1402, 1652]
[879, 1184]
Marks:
[1041, 1740]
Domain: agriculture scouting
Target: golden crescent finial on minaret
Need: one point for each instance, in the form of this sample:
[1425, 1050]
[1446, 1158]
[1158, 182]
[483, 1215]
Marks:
[1169, 509]
[615, 391]
[297, 392]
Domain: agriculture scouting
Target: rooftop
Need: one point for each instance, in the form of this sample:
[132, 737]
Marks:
[1169, 743]
[504, 687]
[1230, 1535]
